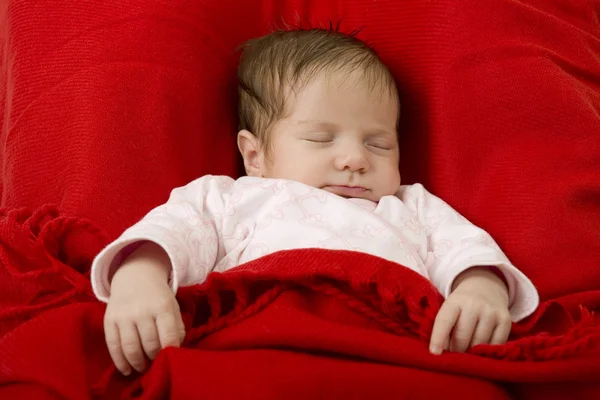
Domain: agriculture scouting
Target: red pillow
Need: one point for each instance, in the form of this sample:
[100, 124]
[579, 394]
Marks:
[109, 105]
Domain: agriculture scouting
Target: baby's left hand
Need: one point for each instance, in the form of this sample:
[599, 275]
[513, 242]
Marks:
[476, 312]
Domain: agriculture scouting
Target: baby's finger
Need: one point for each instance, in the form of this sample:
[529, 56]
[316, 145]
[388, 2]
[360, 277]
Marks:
[180, 326]
[168, 329]
[463, 331]
[113, 342]
[483, 330]
[132, 347]
[149, 337]
[442, 326]
[502, 331]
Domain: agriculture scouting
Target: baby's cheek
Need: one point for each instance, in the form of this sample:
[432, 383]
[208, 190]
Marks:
[311, 177]
[393, 181]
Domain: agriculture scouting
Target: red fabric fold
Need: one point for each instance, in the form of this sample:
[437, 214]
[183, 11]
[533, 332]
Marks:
[300, 323]
[44, 262]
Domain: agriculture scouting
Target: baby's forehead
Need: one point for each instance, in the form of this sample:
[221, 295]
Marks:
[346, 79]
[347, 76]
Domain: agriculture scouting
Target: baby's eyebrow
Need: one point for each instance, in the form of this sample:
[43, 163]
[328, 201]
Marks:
[381, 132]
[329, 126]
[333, 127]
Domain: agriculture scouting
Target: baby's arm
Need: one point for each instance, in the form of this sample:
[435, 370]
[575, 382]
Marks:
[138, 274]
[187, 229]
[472, 273]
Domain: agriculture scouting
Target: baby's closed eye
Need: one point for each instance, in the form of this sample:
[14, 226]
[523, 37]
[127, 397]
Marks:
[381, 145]
[318, 138]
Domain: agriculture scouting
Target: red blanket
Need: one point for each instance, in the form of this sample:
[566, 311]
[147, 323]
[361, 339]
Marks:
[296, 324]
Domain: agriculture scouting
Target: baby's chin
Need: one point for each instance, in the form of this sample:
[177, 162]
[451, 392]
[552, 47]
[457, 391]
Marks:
[370, 195]
[378, 195]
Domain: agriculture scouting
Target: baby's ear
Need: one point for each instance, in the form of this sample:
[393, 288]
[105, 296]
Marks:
[251, 152]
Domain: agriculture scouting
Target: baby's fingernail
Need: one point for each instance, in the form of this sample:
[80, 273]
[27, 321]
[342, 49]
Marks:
[127, 372]
[435, 350]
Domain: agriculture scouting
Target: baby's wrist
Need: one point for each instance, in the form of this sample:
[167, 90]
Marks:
[490, 274]
[147, 258]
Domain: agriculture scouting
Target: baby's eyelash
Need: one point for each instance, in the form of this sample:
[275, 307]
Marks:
[318, 140]
[380, 146]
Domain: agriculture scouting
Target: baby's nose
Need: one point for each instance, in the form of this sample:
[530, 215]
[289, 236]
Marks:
[353, 159]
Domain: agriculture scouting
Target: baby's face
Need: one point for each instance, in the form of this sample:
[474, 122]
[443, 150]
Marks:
[341, 137]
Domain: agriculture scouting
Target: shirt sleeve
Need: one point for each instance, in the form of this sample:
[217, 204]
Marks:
[457, 245]
[187, 227]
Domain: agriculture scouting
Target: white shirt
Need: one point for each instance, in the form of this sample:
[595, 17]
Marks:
[216, 223]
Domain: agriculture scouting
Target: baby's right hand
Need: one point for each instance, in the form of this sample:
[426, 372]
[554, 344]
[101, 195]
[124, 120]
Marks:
[142, 316]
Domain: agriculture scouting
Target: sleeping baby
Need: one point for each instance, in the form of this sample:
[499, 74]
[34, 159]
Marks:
[318, 135]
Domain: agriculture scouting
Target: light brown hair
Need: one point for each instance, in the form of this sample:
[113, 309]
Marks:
[273, 65]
